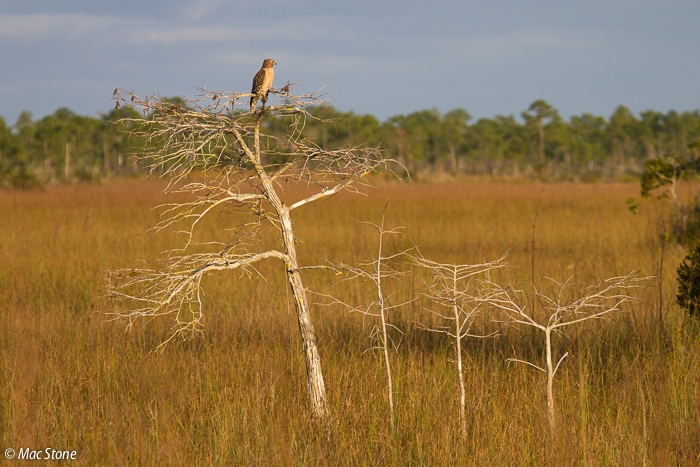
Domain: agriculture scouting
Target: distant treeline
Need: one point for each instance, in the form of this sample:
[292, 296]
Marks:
[65, 146]
[541, 143]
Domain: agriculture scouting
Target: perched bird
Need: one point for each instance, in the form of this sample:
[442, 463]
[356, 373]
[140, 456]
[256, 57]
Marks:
[262, 83]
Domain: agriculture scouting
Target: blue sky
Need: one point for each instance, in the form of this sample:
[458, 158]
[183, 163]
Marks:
[378, 57]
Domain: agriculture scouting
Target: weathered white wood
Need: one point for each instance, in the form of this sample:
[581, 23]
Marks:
[598, 301]
[209, 135]
[453, 288]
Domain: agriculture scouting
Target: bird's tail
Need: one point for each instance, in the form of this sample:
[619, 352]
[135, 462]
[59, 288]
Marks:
[253, 101]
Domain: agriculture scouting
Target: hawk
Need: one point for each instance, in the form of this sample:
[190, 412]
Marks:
[262, 83]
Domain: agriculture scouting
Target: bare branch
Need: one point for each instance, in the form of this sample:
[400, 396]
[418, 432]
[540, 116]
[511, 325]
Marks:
[526, 363]
[595, 302]
[559, 362]
[216, 137]
[176, 285]
[452, 288]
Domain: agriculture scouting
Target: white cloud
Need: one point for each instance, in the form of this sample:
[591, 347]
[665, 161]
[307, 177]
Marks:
[174, 35]
[201, 8]
[152, 31]
[533, 40]
[341, 62]
[39, 26]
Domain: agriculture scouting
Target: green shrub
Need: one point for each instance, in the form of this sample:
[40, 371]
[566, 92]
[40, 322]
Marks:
[18, 175]
[87, 175]
[688, 294]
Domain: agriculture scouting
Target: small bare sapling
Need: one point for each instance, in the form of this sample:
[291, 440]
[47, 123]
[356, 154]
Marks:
[459, 293]
[596, 302]
[377, 271]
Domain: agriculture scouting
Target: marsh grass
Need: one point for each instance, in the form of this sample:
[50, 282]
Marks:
[629, 394]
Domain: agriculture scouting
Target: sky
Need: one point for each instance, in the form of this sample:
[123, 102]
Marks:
[376, 57]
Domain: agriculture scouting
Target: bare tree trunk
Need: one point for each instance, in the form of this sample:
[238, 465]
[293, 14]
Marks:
[314, 375]
[388, 370]
[67, 171]
[380, 269]
[453, 288]
[385, 339]
[462, 392]
[550, 380]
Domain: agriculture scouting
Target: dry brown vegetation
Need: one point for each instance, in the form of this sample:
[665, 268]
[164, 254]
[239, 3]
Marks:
[628, 393]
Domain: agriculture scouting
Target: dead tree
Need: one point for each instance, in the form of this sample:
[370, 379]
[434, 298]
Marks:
[456, 288]
[215, 149]
[596, 302]
[377, 271]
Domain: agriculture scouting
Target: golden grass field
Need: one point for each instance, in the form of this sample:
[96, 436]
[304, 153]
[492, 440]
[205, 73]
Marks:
[628, 394]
